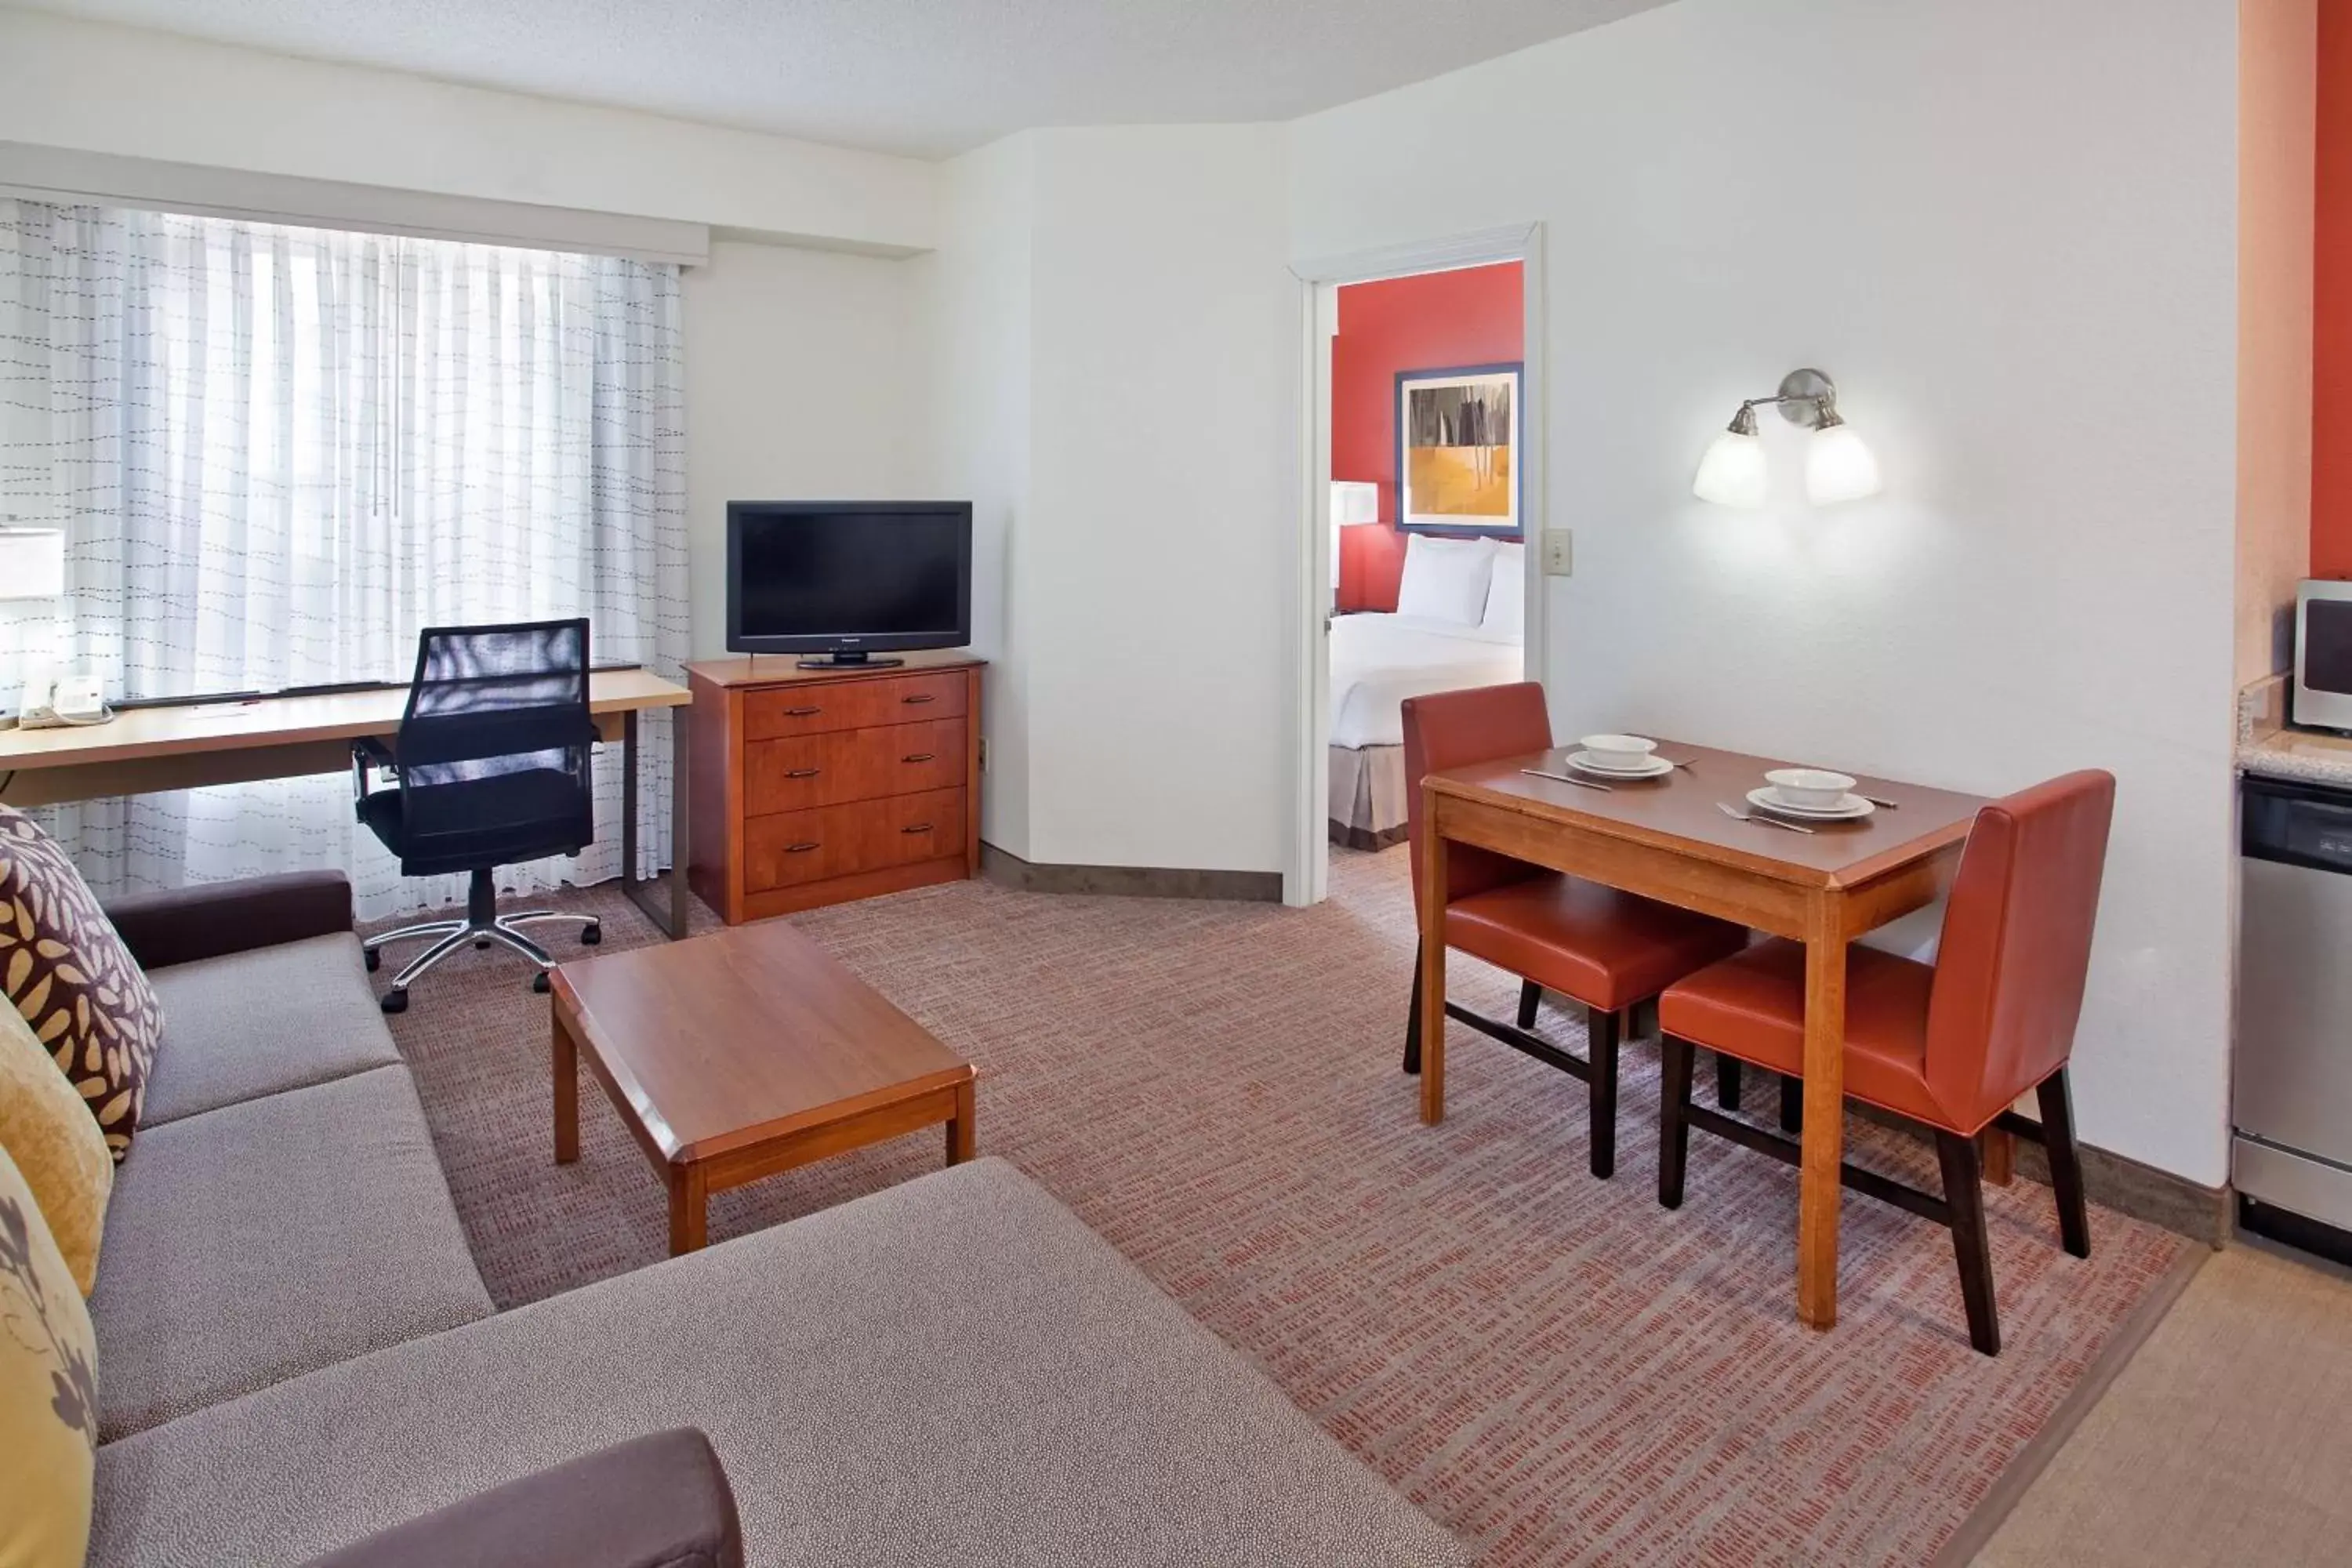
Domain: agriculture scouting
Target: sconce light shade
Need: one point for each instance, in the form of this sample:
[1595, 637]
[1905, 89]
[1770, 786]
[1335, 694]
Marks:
[1732, 473]
[32, 564]
[1838, 466]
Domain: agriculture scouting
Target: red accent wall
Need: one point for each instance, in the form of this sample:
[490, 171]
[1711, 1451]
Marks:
[2331, 385]
[1473, 316]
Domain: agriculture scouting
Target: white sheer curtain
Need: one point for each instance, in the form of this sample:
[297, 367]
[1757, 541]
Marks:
[277, 453]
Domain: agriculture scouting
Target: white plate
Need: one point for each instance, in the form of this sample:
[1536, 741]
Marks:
[1651, 768]
[1768, 799]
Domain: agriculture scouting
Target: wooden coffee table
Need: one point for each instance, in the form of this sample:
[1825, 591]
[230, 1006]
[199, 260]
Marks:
[735, 1055]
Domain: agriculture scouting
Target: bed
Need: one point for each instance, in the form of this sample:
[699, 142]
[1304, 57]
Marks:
[1378, 661]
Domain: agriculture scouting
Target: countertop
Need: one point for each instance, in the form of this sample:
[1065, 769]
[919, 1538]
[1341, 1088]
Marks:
[2307, 756]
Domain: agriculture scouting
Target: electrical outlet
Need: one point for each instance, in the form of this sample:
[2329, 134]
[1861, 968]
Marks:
[1559, 553]
[983, 753]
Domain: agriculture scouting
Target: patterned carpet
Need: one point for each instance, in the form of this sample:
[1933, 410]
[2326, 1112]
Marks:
[1551, 1367]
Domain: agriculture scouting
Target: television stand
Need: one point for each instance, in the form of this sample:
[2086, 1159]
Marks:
[849, 661]
[816, 787]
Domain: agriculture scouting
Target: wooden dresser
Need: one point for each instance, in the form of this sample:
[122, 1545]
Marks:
[816, 786]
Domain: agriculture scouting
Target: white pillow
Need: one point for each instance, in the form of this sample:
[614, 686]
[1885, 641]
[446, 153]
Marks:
[1507, 593]
[1446, 579]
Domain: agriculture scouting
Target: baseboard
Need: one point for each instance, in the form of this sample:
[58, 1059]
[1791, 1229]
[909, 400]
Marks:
[1009, 870]
[2144, 1193]
[2117, 1182]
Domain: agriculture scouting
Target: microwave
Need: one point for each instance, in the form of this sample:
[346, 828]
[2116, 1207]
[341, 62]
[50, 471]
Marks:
[2323, 654]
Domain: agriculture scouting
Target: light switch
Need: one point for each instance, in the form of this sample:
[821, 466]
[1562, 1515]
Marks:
[1559, 553]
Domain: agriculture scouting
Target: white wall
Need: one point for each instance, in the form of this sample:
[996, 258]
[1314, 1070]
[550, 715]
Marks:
[977, 314]
[144, 94]
[803, 383]
[1158, 567]
[2278, 151]
[2008, 229]
[1113, 347]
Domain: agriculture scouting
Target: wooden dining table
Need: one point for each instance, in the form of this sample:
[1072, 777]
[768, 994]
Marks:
[1667, 838]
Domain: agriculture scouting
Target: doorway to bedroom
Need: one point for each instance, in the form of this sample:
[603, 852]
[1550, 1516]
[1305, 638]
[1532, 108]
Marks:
[1423, 386]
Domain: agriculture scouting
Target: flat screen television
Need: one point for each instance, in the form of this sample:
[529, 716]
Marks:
[846, 580]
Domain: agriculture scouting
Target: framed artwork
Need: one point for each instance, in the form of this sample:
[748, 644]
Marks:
[1458, 450]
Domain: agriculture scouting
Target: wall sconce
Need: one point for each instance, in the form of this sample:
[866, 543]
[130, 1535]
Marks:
[1839, 465]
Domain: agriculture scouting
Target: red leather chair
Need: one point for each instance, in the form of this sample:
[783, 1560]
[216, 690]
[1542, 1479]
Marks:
[1605, 949]
[1948, 1046]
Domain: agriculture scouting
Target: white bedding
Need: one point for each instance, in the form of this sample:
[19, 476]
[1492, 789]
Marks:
[1378, 661]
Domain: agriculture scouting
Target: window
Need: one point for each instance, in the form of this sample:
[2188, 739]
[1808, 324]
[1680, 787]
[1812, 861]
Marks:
[277, 453]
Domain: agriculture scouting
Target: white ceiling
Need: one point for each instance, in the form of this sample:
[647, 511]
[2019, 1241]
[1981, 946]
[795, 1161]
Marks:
[923, 77]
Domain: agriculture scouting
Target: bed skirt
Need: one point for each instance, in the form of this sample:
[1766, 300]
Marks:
[1368, 797]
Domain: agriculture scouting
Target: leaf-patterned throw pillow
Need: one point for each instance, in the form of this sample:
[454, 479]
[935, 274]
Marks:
[75, 982]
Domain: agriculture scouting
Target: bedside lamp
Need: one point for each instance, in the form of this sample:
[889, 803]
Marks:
[1353, 501]
[32, 564]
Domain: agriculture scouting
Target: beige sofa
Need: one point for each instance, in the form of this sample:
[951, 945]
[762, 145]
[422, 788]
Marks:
[296, 1351]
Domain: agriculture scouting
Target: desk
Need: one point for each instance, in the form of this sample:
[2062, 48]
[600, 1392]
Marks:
[146, 750]
[1665, 839]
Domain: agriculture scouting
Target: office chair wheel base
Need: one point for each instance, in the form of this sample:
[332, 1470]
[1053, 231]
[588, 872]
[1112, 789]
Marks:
[374, 960]
[396, 1001]
[591, 935]
[539, 983]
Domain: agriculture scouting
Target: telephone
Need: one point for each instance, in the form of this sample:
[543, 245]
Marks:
[73, 697]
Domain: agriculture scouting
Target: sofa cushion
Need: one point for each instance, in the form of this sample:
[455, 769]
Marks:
[261, 1021]
[256, 1242]
[58, 1149]
[952, 1371]
[48, 1428]
[70, 977]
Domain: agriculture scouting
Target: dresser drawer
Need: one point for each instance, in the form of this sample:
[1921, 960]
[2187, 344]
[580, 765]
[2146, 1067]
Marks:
[819, 706]
[807, 771]
[795, 846]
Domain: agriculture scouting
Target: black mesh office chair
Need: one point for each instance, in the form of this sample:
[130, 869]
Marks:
[492, 760]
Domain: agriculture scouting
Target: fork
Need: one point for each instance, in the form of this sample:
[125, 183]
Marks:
[1738, 816]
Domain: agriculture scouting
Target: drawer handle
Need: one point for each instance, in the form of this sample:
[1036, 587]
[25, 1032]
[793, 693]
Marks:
[918, 827]
[920, 697]
[802, 713]
[803, 847]
[801, 773]
[919, 757]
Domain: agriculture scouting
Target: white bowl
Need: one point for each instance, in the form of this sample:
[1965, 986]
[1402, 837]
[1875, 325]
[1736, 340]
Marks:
[1813, 787]
[1618, 750]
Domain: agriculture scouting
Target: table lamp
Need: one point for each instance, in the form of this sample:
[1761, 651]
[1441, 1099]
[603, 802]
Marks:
[32, 564]
[32, 567]
[1353, 501]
